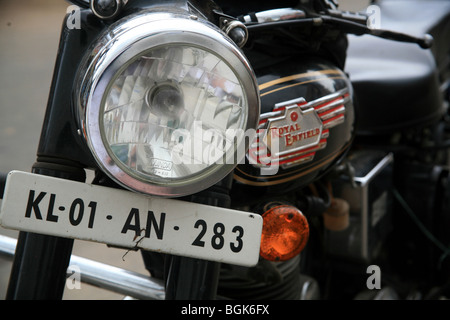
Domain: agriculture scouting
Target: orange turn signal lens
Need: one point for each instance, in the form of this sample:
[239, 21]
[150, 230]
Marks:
[285, 233]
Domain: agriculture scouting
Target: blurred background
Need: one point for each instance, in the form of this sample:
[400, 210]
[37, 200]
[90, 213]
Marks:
[29, 37]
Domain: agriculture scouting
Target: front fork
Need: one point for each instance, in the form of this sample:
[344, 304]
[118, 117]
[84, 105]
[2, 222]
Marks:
[40, 262]
[192, 279]
[195, 279]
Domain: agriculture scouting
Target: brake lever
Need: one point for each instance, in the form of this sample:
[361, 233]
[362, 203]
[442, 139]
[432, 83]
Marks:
[357, 28]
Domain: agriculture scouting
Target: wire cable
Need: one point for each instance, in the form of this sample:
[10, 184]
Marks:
[425, 231]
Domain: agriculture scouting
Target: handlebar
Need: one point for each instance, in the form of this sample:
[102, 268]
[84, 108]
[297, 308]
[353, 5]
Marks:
[351, 27]
[347, 22]
[351, 23]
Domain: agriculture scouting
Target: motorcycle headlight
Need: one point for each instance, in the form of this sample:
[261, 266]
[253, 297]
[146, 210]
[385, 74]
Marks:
[163, 101]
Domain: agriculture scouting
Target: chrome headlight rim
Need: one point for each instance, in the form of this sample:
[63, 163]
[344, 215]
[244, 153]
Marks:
[129, 39]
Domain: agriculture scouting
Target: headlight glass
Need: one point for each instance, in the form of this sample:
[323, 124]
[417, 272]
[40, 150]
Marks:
[165, 113]
[164, 116]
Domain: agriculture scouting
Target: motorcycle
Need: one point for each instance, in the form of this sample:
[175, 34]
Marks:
[257, 150]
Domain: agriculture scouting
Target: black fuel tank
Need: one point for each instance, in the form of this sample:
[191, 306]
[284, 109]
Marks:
[306, 125]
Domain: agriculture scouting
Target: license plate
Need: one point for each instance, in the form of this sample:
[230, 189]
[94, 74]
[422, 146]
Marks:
[58, 207]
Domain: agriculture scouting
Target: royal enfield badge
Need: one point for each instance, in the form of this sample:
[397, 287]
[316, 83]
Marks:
[295, 130]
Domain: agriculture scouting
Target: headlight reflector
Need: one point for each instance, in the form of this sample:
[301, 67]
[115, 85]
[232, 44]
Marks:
[162, 98]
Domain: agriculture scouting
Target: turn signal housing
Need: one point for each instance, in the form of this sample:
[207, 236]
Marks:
[285, 233]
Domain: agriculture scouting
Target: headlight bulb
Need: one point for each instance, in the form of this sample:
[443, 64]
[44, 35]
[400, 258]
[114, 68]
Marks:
[165, 99]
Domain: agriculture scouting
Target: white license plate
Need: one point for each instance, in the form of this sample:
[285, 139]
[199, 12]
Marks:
[47, 205]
